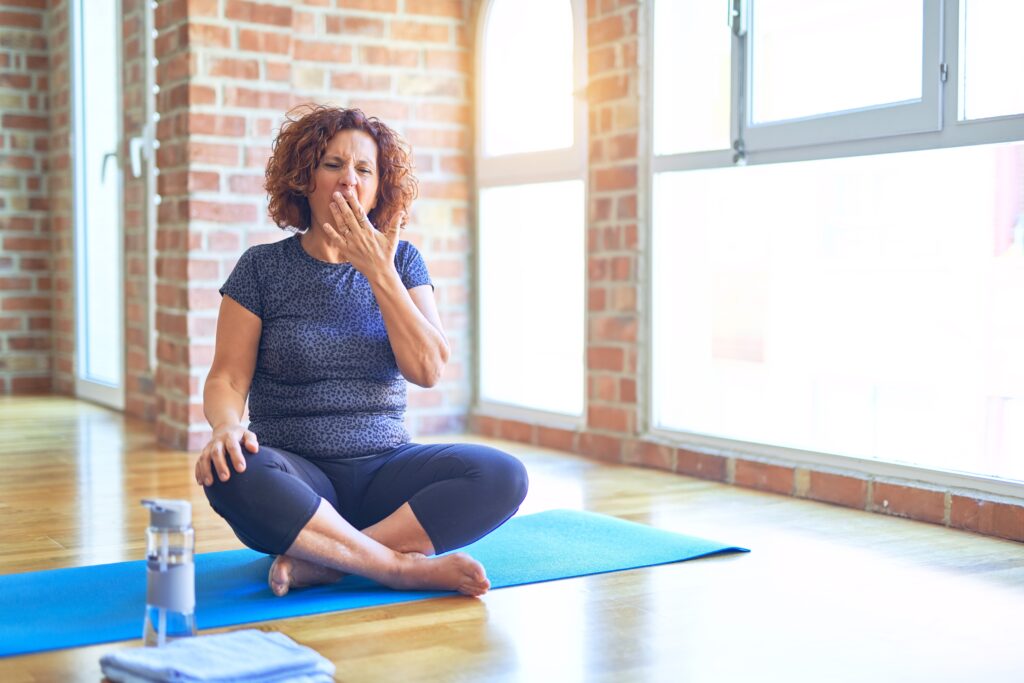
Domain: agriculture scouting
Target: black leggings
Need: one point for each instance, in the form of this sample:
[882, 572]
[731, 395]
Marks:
[458, 492]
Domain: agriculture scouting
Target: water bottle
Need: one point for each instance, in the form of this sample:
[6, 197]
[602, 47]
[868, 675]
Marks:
[170, 572]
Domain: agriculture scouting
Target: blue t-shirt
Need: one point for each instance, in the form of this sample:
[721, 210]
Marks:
[326, 383]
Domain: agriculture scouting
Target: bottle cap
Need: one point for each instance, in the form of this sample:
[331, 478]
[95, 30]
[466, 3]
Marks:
[168, 514]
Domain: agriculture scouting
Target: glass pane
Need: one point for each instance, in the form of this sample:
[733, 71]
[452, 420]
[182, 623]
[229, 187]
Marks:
[821, 57]
[99, 236]
[867, 306]
[993, 61]
[528, 63]
[692, 58]
[531, 286]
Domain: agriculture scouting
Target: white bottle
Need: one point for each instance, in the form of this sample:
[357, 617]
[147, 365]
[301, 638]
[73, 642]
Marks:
[170, 572]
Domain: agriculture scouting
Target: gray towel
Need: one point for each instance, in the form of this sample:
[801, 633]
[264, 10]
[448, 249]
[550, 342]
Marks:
[248, 655]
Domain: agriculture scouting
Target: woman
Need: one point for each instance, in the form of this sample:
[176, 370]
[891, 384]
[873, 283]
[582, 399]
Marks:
[320, 332]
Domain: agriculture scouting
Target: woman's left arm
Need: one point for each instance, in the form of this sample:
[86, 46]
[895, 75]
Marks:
[414, 327]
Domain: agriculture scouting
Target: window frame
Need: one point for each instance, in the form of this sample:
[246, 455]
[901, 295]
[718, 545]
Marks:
[522, 169]
[952, 132]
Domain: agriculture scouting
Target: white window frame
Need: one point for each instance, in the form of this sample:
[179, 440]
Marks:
[545, 166]
[822, 138]
[931, 124]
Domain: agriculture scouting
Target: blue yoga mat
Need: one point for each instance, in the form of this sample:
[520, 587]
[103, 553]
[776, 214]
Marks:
[58, 608]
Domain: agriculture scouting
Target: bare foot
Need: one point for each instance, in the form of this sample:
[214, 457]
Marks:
[458, 572]
[291, 572]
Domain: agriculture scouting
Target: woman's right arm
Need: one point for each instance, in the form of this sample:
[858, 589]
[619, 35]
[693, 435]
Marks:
[227, 387]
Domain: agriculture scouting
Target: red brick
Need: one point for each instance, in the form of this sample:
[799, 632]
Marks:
[419, 32]
[234, 68]
[600, 446]
[627, 390]
[605, 31]
[355, 26]
[485, 426]
[31, 385]
[388, 57]
[213, 153]
[25, 122]
[208, 35]
[596, 299]
[25, 303]
[360, 81]
[613, 329]
[907, 501]
[649, 454]
[387, 110]
[765, 477]
[988, 517]
[372, 5]
[12, 324]
[257, 99]
[439, 8]
[221, 212]
[515, 431]
[448, 60]
[322, 52]
[21, 20]
[13, 283]
[213, 124]
[558, 439]
[611, 419]
[263, 41]
[838, 489]
[605, 358]
[620, 178]
[240, 10]
[247, 184]
[604, 89]
[701, 465]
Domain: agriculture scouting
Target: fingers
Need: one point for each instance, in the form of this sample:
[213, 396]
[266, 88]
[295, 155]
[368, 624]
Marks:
[351, 201]
[237, 459]
[215, 458]
[396, 228]
[251, 444]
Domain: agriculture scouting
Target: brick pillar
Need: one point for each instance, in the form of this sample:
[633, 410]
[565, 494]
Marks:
[25, 232]
[613, 253]
[228, 72]
[139, 390]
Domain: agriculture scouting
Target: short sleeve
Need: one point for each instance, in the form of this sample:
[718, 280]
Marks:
[411, 267]
[243, 283]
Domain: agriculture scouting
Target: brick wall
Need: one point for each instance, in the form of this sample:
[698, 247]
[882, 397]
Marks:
[25, 233]
[227, 73]
[615, 353]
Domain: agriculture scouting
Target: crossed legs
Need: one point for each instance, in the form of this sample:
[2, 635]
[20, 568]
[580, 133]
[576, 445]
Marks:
[462, 492]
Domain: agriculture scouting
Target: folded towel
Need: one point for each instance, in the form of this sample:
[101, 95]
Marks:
[247, 655]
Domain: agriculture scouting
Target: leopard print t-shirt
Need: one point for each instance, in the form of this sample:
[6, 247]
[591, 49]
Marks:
[326, 383]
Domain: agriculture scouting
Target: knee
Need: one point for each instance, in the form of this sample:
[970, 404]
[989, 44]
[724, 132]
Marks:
[239, 486]
[509, 479]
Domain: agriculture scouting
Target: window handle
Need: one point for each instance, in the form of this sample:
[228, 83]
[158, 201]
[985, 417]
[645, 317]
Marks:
[103, 167]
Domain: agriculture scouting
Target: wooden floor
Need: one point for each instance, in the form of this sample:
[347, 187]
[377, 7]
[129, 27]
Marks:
[828, 594]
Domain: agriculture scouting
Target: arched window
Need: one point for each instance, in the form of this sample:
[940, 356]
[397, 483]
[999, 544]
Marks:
[530, 161]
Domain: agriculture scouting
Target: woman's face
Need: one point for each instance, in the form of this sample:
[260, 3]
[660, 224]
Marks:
[350, 161]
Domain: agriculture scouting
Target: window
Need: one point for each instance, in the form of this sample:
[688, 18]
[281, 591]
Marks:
[98, 239]
[531, 205]
[842, 275]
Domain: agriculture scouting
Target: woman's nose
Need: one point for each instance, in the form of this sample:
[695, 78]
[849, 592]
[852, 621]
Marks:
[348, 177]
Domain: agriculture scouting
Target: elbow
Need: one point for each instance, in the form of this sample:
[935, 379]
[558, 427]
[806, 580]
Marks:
[430, 370]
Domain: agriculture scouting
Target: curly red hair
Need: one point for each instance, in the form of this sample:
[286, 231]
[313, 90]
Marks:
[300, 147]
